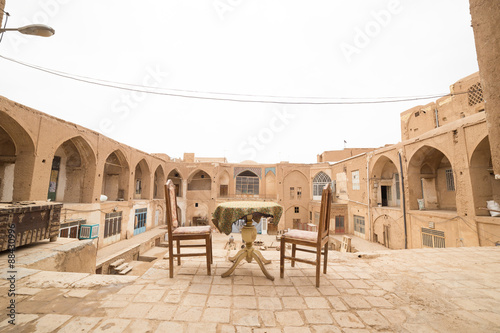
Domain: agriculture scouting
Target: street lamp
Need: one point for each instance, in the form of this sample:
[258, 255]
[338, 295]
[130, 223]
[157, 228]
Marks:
[41, 30]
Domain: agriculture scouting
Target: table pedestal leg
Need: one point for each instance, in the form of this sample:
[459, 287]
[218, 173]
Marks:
[249, 234]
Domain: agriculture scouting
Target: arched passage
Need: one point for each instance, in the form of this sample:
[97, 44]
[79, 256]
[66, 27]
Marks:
[385, 183]
[17, 160]
[159, 181]
[431, 179]
[116, 176]
[142, 180]
[484, 185]
[73, 172]
[200, 181]
[176, 178]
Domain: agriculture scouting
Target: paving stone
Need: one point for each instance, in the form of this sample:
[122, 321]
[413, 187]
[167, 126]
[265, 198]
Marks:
[347, 320]
[359, 284]
[286, 291]
[343, 284]
[161, 312]
[242, 280]
[395, 317]
[300, 281]
[135, 310]
[194, 300]
[318, 316]
[113, 325]
[378, 302]
[267, 330]
[243, 290]
[199, 289]
[80, 325]
[296, 330]
[328, 290]
[202, 327]
[28, 291]
[141, 326]
[356, 302]
[317, 302]
[269, 303]
[246, 318]
[373, 318]
[219, 301]
[173, 296]
[170, 326]
[114, 304]
[308, 291]
[79, 293]
[326, 329]
[50, 322]
[217, 315]
[188, 313]
[131, 290]
[244, 302]
[289, 318]
[337, 303]
[227, 329]
[267, 318]
[265, 291]
[294, 303]
[149, 296]
[221, 290]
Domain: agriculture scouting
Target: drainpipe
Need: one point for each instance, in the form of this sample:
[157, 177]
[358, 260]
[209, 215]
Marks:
[404, 197]
[437, 116]
[368, 192]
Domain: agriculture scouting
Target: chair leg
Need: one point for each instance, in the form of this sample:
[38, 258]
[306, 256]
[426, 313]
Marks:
[171, 258]
[318, 265]
[282, 258]
[294, 250]
[326, 258]
[211, 251]
[178, 252]
[208, 250]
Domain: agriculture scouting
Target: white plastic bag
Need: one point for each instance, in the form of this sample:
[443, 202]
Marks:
[491, 204]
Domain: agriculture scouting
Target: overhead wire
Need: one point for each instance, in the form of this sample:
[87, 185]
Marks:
[176, 92]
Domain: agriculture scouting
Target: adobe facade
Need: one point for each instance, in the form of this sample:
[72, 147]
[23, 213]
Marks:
[430, 190]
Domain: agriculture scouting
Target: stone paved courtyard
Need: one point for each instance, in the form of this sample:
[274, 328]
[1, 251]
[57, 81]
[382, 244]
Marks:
[428, 290]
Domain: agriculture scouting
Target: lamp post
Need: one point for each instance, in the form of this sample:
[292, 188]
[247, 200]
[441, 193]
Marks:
[41, 30]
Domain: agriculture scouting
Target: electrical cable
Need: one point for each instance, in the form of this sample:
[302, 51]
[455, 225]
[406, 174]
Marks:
[327, 101]
[5, 24]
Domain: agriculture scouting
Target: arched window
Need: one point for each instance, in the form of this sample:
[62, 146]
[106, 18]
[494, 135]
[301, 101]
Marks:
[247, 182]
[319, 182]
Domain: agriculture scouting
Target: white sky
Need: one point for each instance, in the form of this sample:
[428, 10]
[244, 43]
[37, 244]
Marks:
[258, 47]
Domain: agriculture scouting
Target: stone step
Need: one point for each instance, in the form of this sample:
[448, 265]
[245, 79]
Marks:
[125, 271]
[117, 263]
[163, 244]
[121, 267]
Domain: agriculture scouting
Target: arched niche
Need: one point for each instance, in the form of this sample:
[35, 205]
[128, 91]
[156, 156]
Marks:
[116, 177]
[176, 178]
[72, 172]
[17, 160]
[142, 180]
[484, 185]
[385, 183]
[158, 183]
[199, 181]
[431, 179]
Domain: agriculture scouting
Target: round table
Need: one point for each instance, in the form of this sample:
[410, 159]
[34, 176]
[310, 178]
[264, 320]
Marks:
[226, 213]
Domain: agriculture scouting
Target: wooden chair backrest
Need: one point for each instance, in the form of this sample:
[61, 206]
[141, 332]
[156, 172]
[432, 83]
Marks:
[171, 203]
[324, 215]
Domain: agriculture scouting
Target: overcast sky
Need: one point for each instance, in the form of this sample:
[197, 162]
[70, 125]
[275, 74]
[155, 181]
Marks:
[347, 50]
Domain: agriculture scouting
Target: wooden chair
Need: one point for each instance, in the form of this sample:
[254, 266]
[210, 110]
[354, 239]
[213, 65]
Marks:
[176, 233]
[318, 240]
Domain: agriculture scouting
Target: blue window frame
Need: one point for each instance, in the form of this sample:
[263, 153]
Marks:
[140, 220]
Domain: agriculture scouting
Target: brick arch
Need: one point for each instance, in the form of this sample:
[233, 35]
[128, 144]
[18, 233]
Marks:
[20, 165]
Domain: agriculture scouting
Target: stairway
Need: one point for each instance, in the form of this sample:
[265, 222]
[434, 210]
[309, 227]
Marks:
[120, 267]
